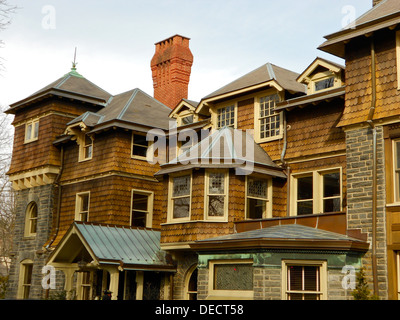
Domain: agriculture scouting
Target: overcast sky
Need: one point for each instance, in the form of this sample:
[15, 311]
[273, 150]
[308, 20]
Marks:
[115, 39]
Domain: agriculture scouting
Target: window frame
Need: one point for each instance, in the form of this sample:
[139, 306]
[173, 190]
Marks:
[228, 294]
[318, 189]
[31, 221]
[224, 217]
[83, 146]
[133, 156]
[150, 204]
[216, 110]
[78, 204]
[31, 131]
[268, 205]
[171, 198]
[23, 287]
[323, 276]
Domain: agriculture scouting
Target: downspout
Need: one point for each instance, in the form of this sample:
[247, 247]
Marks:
[374, 170]
[284, 163]
[57, 183]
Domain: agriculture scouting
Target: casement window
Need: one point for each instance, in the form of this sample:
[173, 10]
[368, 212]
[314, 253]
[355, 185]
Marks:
[317, 192]
[304, 280]
[180, 197]
[31, 131]
[139, 146]
[231, 279]
[258, 198]
[142, 208]
[216, 194]
[267, 122]
[82, 206]
[226, 116]
[25, 279]
[86, 148]
[396, 169]
[31, 218]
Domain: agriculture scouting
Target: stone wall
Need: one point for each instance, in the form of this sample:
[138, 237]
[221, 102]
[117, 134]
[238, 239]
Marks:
[359, 197]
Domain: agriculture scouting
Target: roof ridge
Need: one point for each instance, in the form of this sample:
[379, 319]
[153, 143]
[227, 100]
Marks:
[271, 70]
[133, 95]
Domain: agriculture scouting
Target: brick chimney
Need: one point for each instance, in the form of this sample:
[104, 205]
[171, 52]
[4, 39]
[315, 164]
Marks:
[171, 66]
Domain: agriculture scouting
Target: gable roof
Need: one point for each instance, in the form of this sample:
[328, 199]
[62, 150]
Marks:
[320, 62]
[383, 15]
[130, 248]
[222, 149]
[284, 236]
[262, 75]
[71, 85]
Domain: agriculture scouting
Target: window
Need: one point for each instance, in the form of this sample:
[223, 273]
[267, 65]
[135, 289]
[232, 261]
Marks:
[226, 117]
[187, 120]
[31, 220]
[25, 279]
[85, 148]
[269, 122]
[396, 162]
[304, 280]
[191, 283]
[31, 131]
[231, 279]
[82, 207]
[142, 209]
[180, 196]
[139, 146]
[324, 84]
[318, 192]
[257, 202]
[216, 194]
[86, 280]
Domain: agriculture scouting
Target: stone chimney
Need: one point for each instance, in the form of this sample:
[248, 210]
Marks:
[171, 67]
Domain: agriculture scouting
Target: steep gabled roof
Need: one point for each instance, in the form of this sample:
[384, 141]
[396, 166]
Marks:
[383, 15]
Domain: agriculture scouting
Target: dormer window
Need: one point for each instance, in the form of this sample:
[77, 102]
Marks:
[324, 84]
[226, 116]
[187, 120]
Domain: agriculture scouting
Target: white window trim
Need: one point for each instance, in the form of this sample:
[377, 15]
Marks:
[268, 209]
[170, 215]
[150, 204]
[323, 275]
[257, 119]
[227, 294]
[21, 279]
[214, 113]
[78, 205]
[32, 131]
[149, 149]
[223, 218]
[317, 198]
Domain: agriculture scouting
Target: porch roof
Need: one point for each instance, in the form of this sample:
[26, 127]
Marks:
[129, 248]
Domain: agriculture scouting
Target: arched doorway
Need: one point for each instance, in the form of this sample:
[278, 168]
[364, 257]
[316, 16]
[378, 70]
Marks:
[191, 284]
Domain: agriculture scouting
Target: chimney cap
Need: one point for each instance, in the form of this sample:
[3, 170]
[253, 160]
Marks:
[176, 35]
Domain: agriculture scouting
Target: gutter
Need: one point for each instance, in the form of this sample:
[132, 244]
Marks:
[374, 169]
[57, 183]
[284, 163]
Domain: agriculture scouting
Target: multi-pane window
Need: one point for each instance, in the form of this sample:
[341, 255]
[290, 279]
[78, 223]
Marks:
[257, 198]
[86, 285]
[82, 207]
[88, 148]
[269, 120]
[141, 208]
[32, 131]
[226, 117]
[216, 194]
[187, 120]
[180, 198]
[318, 192]
[139, 146]
[305, 280]
[397, 170]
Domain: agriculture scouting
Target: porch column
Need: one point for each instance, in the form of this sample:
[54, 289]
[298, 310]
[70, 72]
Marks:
[114, 279]
[69, 276]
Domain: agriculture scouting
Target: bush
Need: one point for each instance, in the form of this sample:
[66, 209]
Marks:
[3, 286]
[362, 292]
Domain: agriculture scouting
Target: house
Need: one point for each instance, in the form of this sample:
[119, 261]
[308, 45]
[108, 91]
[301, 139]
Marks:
[278, 185]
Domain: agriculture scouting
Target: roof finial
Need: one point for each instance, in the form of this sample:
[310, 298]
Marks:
[74, 63]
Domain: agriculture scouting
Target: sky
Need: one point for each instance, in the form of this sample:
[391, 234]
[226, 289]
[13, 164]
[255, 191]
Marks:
[114, 40]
